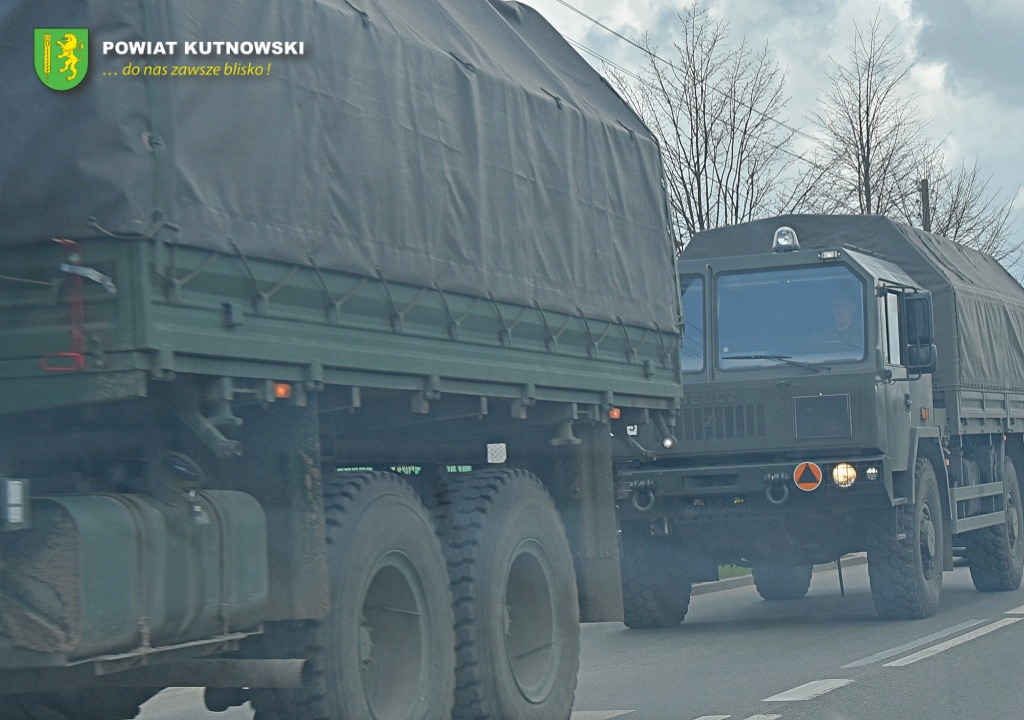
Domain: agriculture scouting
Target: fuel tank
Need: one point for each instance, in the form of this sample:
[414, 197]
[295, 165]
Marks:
[105, 573]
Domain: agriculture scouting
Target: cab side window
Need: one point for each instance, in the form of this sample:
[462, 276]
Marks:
[893, 330]
[691, 355]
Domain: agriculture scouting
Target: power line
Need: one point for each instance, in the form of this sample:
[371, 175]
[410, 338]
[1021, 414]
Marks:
[834, 172]
[648, 83]
[648, 51]
[780, 147]
[644, 81]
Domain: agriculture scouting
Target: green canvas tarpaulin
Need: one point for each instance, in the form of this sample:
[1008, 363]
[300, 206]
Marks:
[456, 141]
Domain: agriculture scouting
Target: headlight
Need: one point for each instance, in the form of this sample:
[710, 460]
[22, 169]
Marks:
[844, 475]
[871, 473]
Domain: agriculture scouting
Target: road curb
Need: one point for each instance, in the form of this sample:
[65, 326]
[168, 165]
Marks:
[745, 580]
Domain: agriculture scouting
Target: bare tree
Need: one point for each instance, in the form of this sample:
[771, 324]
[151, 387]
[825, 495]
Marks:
[877, 150]
[965, 211]
[713, 109]
[874, 137]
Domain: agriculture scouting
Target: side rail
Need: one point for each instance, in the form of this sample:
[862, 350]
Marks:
[183, 310]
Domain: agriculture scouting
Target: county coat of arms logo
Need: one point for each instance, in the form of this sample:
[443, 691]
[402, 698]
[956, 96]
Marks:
[61, 56]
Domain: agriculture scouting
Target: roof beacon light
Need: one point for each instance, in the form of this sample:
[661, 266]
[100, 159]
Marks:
[785, 239]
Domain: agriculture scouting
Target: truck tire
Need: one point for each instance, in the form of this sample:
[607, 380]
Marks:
[782, 582]
[386, 650]
[514, 591]
[655, 589]
[996, 554]
[906, 574]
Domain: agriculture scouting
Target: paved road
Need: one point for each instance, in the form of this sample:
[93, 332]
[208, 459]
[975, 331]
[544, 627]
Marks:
[822, 658]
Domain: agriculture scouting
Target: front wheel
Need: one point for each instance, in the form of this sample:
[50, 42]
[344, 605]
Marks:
[514, 589]
[655, 588]
[782, 582]
[386, 649]
[905, 553]
[996, 554]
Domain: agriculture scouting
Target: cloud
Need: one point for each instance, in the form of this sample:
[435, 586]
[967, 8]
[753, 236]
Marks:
[997, 11]
[966, 78]
[980, 40]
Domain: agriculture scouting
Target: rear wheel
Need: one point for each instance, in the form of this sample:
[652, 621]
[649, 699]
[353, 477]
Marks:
[996, 554]
[386, 650]
[782, 582]
[905, 553]
[655, 588]
[514, 589]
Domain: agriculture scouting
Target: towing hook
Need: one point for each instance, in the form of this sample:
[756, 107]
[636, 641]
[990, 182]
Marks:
[777, 493]
[643, 500]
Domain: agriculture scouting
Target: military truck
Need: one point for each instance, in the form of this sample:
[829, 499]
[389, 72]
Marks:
[851, 384]
[308, 379]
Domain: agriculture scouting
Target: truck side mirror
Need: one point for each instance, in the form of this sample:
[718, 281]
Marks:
[919, 333]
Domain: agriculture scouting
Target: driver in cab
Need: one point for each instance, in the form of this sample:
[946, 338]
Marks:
[841, 333]
[847, 330]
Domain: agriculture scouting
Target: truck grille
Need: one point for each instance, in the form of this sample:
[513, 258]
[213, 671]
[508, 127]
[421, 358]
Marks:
[723, 422]
[823, 416]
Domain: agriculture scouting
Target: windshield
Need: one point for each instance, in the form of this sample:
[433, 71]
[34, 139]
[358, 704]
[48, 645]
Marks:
[803, 315]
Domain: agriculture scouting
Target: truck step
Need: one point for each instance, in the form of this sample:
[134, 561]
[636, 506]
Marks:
[979, 521]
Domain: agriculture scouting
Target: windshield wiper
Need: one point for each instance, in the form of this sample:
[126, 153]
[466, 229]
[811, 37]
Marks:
[778, 358]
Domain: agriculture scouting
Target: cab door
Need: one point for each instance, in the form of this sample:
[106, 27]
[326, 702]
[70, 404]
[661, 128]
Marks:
[898, 392]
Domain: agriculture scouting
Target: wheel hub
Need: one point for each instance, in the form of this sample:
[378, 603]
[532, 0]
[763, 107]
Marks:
[927, 538]
[392, 649]
[531, 639]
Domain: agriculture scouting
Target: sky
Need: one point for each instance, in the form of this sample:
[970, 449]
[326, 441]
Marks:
[967, 78]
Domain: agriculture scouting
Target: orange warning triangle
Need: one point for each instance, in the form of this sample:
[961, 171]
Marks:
[807, 476]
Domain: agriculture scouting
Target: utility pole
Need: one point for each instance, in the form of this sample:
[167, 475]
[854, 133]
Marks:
[926, 207]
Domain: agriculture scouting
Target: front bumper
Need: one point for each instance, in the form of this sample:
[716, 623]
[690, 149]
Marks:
[698, 490]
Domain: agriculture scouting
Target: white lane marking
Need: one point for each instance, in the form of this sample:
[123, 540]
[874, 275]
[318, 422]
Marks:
[1016, 611]
[936, 649]
[762, 716]
[809, 690]
[886, 654]
[714, 717]
[598, 714]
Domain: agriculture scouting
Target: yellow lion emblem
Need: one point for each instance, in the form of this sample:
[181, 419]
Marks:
[68, 47]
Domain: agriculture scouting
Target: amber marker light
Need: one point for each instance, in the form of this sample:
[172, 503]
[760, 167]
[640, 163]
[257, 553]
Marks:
[615, 413]
[282, 391]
